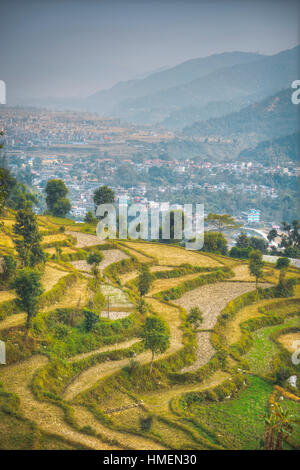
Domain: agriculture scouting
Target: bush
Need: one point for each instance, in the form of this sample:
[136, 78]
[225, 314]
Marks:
[146, 423]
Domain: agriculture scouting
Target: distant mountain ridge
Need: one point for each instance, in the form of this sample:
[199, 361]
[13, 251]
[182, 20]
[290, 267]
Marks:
[185, 72]
[256, 78]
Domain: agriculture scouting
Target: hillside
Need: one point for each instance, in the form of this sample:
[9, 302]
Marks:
[72, 387]
[272, 117]
[283, 149]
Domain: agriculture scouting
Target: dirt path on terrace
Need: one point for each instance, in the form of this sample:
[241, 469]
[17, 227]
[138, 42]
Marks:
[48, 417]
[211, 299]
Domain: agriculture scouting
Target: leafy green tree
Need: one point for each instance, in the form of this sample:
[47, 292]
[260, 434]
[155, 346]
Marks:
[7, 186]
[236, 252]
[256, 265]
[215, 242]
[94, 258]
[57, 203]
[103, 195]
[28, 287]
[28, 241]
[259, 244]
[9, 268]
[155, 336]
[272, 234]
[195, 317]
[221, 222]
[291, 237]
[282, 263]
[242, 241]
[144, 282]
[90, 320]
[89, 218]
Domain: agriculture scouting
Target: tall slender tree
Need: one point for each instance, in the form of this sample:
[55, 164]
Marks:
[28, 238]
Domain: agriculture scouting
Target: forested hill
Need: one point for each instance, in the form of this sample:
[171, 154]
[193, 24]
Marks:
[279, 150]
[274, 116]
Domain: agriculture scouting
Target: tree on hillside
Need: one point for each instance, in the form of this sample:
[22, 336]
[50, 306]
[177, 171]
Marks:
[256, 243]
[215, 242]
[9, 266]
[57, 203]
[89, 218]
[256, 265]
[28, 241]
[28, 287]
[103, 195]
[283, 289]
[90, 320]
[272, 234]
[94, 259]
[220, 222]
[290, 239]
[242, 241]
[144, 282]
[155, 336]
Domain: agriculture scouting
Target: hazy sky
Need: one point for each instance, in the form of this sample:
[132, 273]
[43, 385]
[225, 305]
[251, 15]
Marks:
[75, 47]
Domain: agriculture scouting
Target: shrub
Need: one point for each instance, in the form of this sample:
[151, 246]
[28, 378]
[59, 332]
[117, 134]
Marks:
[146, 423]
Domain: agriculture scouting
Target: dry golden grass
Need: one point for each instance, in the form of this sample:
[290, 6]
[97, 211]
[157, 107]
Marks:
[155, 269]
[5, 241]
[241, 273]
[8, 222]
[140, 257]
[7, 295]
[288, 341]
[124, 278]
[13, 321]
[76, 295]
[57, 237]
[64, 250]
[163, 284]
[51, 276]
[172, 255]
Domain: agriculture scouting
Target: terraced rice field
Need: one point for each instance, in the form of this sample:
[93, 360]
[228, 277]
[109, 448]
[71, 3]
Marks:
[168, 429]
[172, 256]
[84, 239]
